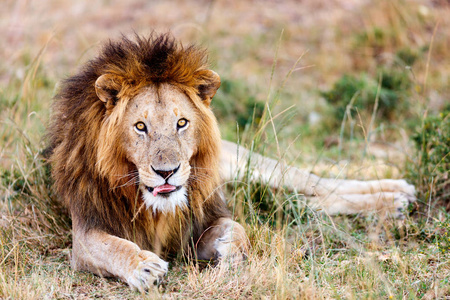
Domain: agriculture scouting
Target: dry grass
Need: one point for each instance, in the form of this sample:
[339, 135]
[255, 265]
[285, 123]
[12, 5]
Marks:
[296, 253]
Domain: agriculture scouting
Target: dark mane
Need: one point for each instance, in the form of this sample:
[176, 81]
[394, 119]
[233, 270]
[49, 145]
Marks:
[78, 134]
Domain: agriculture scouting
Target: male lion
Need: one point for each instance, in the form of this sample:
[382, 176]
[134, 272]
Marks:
[136, 154]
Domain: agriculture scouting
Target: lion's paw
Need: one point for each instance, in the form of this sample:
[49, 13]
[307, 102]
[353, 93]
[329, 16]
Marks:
[401, 203]
[148, 271]
[231, 247]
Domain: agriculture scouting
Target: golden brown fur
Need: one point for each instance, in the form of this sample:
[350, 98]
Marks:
[105, 169]
[91, 167]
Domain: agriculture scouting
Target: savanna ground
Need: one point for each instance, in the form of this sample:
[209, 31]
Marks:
[350, 89]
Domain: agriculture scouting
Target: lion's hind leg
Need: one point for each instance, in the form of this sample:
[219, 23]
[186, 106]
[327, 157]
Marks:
[389, 203]
[345, 186]
[353, 196]
[334, 196]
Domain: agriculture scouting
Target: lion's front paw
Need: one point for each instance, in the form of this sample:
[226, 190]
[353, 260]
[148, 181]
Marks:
[149, 271]
[232, 246]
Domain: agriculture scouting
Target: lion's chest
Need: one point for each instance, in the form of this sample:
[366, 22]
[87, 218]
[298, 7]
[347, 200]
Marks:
[170, 235]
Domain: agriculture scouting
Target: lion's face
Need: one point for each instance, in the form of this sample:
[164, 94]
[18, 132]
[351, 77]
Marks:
[162, 130]
[159, 138]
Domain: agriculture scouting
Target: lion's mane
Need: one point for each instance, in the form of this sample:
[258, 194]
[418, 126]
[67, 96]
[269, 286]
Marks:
[90, 169]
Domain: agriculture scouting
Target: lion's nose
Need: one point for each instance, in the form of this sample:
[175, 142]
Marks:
[166, 173]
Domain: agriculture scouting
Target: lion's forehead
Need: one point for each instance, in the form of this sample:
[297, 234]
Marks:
[160, 103]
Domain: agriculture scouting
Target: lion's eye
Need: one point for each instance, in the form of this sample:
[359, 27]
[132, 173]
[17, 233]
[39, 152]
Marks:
[182, 123]
[140, 127]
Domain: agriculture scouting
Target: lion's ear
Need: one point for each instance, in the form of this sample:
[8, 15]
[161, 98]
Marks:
[208, 89]
[107, 87]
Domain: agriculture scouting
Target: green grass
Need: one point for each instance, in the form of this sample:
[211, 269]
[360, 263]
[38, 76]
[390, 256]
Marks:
[396, 52]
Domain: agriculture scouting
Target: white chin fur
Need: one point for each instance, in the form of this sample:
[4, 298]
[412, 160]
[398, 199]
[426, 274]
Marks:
[165, 204]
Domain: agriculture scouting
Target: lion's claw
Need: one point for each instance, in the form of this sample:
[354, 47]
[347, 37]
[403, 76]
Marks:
[148, 272]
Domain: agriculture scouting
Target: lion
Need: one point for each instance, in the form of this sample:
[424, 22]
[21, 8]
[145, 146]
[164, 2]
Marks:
[138, 160]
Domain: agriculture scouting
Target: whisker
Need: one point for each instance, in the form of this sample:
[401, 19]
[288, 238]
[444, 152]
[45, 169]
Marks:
[199, 168]
[127, 174]
[132, 181]
[130, 173]
[202, 177]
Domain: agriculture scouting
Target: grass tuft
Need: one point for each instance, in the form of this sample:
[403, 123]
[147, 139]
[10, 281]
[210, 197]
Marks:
[390, 57]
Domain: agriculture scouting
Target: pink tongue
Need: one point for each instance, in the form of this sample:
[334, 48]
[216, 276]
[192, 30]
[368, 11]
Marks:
[165, 188]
